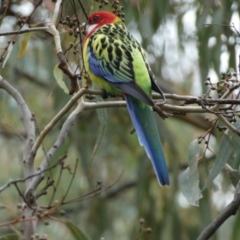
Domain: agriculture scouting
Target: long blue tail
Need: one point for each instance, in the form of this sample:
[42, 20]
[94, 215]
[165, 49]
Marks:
[145, 125]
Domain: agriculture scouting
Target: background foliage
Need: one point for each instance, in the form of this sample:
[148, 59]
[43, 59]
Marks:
[186, 42]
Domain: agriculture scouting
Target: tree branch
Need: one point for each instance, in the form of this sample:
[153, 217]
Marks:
[17, 32]
[109, 104]
[60, 140]
[230, 210]
[28, 161]
[28, 124]
[64, 65]
[56, 119]
[10, 182]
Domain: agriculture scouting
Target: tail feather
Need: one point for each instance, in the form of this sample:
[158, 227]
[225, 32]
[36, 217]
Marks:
[145, 125]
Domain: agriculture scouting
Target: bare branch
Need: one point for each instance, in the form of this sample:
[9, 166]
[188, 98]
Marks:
[97, 191]
[120, 189]
[43, 191]
[230, 210]
[60, 140]
[10, 182]
[56, 119]
[56, 11]
[64, 66]
[167, 107]
[71, 181]
[17, 32]
[108, 104]
[28, 124]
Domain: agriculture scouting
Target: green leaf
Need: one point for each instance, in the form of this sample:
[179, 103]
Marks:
[229, 141]
[23, 44]
[57, 72]
[77, 233]
[224, 153]
[233, 174]
[189, 179]
[11, 236]
[102, 117]
[233, 137]
[9, 50]
[236, 159]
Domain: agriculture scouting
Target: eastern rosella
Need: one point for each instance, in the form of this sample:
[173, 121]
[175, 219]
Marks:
[116, 62]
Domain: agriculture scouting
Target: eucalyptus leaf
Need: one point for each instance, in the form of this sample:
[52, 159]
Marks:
[24, 42]
[10, 236]
[224, 153]
[77, 233]
[9, 50]
[58, 74]
[102, 117]
[234, 138]
[233, 174]
[189, 179]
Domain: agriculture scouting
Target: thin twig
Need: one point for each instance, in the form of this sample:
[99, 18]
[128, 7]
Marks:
[17, 32]
[10, 182]
[228, 124]
[71, 181]
[55, 186]
[96, 191]
[43, 191]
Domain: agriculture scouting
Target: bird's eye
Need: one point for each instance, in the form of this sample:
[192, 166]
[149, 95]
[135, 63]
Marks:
[95, 19]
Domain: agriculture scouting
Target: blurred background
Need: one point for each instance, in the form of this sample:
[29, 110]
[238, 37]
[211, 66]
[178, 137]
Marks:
[185, 42]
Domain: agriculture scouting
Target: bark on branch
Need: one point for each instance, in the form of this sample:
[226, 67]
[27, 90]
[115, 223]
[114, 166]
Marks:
[229, 211]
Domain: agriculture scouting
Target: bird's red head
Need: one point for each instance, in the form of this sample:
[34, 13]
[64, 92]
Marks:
[98, 19]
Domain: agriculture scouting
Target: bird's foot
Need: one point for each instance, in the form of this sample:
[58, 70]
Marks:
[162, 103]
[132, 130]
[90, 97]
[160, 112]
[106, 95]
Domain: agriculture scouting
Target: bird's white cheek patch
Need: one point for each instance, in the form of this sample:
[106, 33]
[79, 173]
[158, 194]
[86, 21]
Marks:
[89, 28]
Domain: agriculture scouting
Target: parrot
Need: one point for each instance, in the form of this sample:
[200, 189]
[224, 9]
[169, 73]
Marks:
[116, 62]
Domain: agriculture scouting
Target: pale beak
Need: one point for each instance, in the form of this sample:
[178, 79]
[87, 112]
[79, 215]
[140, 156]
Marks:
[89, 27]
